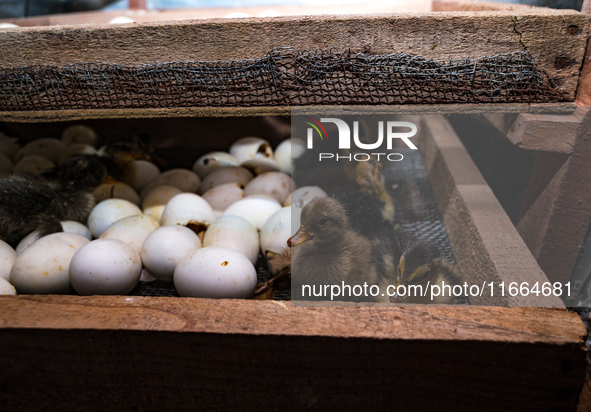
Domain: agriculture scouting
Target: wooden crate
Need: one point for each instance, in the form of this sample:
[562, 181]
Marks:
[555, 38]
[97, 353]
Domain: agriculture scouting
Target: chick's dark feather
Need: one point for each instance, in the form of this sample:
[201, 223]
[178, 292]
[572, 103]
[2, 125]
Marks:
[31, 202]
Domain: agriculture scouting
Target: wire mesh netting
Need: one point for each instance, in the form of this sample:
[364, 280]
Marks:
[283, 77]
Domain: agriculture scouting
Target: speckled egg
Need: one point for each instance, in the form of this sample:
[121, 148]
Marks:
[43, 267]
[212, 161]
[233, 232]
[248, 147]
[216, 273]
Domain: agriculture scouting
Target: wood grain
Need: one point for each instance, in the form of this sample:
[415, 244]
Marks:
[123, 353]
[486, 245]
[544, 32]
[70, 115]
[143, 16]
[521, 325]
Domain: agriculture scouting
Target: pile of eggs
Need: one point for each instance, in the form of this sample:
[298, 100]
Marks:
[202, 229]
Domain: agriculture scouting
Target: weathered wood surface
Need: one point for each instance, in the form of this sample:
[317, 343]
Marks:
[548, 34]
[143, 16]
[584, 89]
[70, 115]
[251, 317]
[555, 224]
[546, 132]
[467, 5]
[123, 353]
[486, 245]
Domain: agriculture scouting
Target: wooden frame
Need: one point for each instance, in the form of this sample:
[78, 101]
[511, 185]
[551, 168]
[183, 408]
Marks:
[118, 350]
[248, 350]
[556, 39]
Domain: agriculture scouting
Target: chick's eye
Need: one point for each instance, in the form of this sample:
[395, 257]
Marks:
[322, 221]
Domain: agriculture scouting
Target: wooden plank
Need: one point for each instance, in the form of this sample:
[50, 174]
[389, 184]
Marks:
[468, 5]
[544, 32]
[70, 115]
[144, 16]
[124, 353]
[584, 88]
[486, 245]
[546, 132]
[277, 318]
[555, 224]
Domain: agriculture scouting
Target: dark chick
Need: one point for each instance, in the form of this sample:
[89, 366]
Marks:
[120, 150]
[326, 251]
[422, 264]
[38, 203]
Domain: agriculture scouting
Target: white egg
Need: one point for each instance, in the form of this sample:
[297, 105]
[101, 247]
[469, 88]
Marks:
[275, 184]
[8, 146]
[43, 267]
[71, 226]
[185, 180]
[139, 173]
[105, 267]
[108, 212]
[255, 210]
[212, 161]
[276, 230]
[146, 276]
[156, 200]
[26, 242]
[132, 230]
[230, 174]
[215, 272]
[222, 196]
[116, 190]
[6, 288]
[75, 150]
[188, 209]
[79, 133]
[302, 196]
[33, 164]
[6, 164]
[287, 151]
[47, 147]
[260, 165]
[249, 147]
[7, 258]
[233, 232]
[165, 247]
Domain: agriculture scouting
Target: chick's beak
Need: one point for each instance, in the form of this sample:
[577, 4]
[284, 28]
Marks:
[300, 237]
